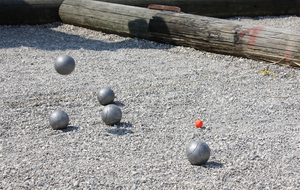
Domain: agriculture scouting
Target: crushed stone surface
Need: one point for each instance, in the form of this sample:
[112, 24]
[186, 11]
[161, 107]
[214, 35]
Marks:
[250, 110]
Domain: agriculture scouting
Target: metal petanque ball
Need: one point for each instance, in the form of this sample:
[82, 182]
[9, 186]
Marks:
[198, 152]
[64, 64]
[106, 96]
[59, 120]
[111, 114]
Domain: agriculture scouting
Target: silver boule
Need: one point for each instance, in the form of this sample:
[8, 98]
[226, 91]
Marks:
[64, 64]
[198, 152]
[105, 96]
[59, 120]
[111, 114]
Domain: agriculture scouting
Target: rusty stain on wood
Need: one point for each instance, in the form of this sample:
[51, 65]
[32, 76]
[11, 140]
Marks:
[164, 7]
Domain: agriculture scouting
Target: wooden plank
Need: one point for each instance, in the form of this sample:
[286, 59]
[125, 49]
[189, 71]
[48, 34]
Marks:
[200, 32]
[224, 8]
[29, 11]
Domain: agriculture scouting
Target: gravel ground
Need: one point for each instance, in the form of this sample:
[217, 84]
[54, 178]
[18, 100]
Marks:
[251, 117]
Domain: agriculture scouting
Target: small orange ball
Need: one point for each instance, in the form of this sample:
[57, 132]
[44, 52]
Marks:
[198, 123]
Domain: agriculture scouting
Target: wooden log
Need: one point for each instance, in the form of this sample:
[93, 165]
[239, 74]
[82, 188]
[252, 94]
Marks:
[227, 37]
[224, 8]
[107, 17]
[29, 11]
[204, 33]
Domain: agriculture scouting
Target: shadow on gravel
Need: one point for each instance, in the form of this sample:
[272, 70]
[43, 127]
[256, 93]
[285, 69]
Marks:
[121, 129]
[213, 165]
[120, 104]
[70, 128]
[44, 37]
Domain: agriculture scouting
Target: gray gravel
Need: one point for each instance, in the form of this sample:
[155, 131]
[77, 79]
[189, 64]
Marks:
[251, 117]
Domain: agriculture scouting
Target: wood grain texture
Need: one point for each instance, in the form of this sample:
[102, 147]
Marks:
[224, 8]
[200, 32]
[227, 37]
[29, 11]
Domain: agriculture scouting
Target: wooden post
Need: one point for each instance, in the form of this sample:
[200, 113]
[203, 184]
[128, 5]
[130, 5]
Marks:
[29, 11]
[204, 33]
[224, 8]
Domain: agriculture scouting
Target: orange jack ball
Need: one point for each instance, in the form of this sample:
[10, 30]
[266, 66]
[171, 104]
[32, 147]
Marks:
[198, 123]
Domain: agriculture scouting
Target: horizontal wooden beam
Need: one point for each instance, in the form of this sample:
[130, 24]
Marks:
[224, 8]
[200, 32]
